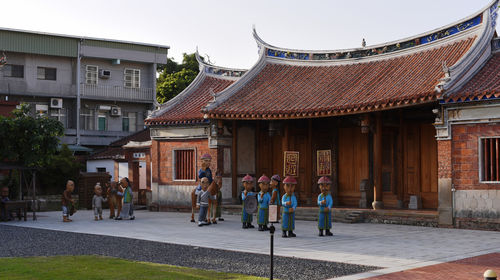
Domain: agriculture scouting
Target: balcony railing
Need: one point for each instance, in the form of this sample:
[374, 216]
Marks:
[117, 93]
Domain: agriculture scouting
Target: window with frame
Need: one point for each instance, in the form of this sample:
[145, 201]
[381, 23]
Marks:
[184, 164]
[132, 78]
[60, 115]
[91, 74]
[87, 119]
[101, 169]
[129, 122]
[490, 159]
[13, 71]
[45, 73]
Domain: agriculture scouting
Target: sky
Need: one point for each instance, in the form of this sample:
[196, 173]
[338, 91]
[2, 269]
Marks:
[222, 29]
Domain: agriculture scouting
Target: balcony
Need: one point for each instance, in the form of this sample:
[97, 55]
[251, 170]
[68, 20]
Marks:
[118, 93]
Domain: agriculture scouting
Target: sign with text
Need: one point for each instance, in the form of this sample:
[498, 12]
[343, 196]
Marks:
[324, 162]
[291, 164]
[273, 213]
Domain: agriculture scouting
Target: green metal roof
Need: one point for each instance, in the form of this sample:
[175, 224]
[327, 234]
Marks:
[37, 43]
[64, 45]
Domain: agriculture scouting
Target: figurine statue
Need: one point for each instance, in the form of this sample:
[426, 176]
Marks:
[67, 202]
[97, 201]
[289, 202]
[114, 200]
[246, 218]
[263, 199]
[325, 203]
[214, 205]
[275, 195]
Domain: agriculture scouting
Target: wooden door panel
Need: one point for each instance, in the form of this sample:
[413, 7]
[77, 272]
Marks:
[352, 165]
[412, 160]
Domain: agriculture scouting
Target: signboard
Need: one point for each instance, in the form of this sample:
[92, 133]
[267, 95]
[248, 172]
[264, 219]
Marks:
[139, 155]
[291, 164]
[273, 213]
[324, 162]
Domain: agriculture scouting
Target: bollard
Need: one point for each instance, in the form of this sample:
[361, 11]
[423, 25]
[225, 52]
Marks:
[271, 231]
[490, 275]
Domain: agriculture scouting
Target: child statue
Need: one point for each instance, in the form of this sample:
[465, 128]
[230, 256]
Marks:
[202, 202]
[97, 201]
[246, 219]
[325, 203]
[67, 202]
[289, 202]
[205, 171]
[263, 199]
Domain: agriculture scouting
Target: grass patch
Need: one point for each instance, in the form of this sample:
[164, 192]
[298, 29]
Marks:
[99, 267]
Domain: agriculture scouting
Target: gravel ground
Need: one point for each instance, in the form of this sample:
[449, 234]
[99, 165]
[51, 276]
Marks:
[23, 242]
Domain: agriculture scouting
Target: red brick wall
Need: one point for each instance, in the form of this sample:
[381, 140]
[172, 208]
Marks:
[465, 155]
[444, 159]
[163, 161]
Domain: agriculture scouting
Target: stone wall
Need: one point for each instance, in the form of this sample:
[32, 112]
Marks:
[477, 204]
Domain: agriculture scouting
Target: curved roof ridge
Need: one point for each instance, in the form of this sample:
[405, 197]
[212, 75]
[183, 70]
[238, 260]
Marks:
[203, 63]
[451, 30]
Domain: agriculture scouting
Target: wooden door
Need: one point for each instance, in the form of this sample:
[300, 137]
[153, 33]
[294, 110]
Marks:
[420, 164]
[353, 165]
[389, 176]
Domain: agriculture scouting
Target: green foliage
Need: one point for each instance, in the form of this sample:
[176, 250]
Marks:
[61, 168]
[97, 267]
[29, 141]
[174, 77]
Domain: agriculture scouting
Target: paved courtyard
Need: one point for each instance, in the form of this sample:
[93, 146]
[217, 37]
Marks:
[393, 247]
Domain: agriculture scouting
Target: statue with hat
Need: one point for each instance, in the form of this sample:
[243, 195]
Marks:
[247, 196]
[325, 203]
[289, 202]
[275, 194]
[204, 172]
[263, 199]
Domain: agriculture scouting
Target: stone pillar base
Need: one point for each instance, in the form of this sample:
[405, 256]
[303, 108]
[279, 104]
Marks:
[378, 205]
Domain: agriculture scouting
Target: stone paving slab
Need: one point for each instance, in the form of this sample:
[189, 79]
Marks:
[394, 247]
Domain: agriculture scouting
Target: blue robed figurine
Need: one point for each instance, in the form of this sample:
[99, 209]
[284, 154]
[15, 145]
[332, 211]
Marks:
[246, 219]
[205, 168]
[263, 200]
[275, 195]
[325, 203]
[289, 202]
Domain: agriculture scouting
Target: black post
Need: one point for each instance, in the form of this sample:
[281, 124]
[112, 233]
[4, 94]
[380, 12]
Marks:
[34, 198]
[271, 231]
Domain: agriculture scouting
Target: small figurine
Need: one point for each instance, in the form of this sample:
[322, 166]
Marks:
[97, 201]
[246, 219]
[202, 202]
[214, 205]
[128, 196]
[275, 195]
[289, 202]
[263, 199]
[68, 207]
[205, 168]
[4, 198]
[114, 200]
[325, 203]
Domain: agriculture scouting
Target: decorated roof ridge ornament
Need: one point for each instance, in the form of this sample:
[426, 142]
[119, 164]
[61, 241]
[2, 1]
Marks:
[247, 178]
[264, 179]
[389, 47]
[276, 177]
[290, 180]
[210, 68]
[324, 180]
[206, 156]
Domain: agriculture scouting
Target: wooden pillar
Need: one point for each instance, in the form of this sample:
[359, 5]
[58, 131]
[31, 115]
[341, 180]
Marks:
[234, 167]
[284, 143]
[400, 164]
[258, 167]
[309, 158]
[377, 163]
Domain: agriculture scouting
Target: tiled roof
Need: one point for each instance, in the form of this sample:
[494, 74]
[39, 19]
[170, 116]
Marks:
[293, 90]
[484, 85]
[108, 153]
[188, 109]
[139, 136]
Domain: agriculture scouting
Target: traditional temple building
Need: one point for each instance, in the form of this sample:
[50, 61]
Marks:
[412, 123]
[181, 135]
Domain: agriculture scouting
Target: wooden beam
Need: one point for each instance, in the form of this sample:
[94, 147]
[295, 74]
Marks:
[377, 162]
[234, 158]
[310, 164]
[400, 163]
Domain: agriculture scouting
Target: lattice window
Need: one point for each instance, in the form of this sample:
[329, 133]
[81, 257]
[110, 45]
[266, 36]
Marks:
[490, 159]
[91, 74]
[45, 73]
[184, 163]
[13, 71]
[132, 78]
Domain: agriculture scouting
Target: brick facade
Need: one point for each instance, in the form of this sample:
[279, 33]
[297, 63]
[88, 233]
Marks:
[444, 159]
[465, 155]
[162, 154]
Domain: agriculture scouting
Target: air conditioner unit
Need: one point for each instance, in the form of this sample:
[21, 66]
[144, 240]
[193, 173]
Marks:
[104, 74]
[56, 103]
[116, 111]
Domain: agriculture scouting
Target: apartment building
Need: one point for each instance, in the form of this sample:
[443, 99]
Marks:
[100, 89]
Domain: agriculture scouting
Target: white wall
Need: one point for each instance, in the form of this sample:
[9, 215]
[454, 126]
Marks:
[109, 164]
[122, 170]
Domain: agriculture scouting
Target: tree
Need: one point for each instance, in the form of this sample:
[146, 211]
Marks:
[27, 140]
[61, 168]
[174, 77]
